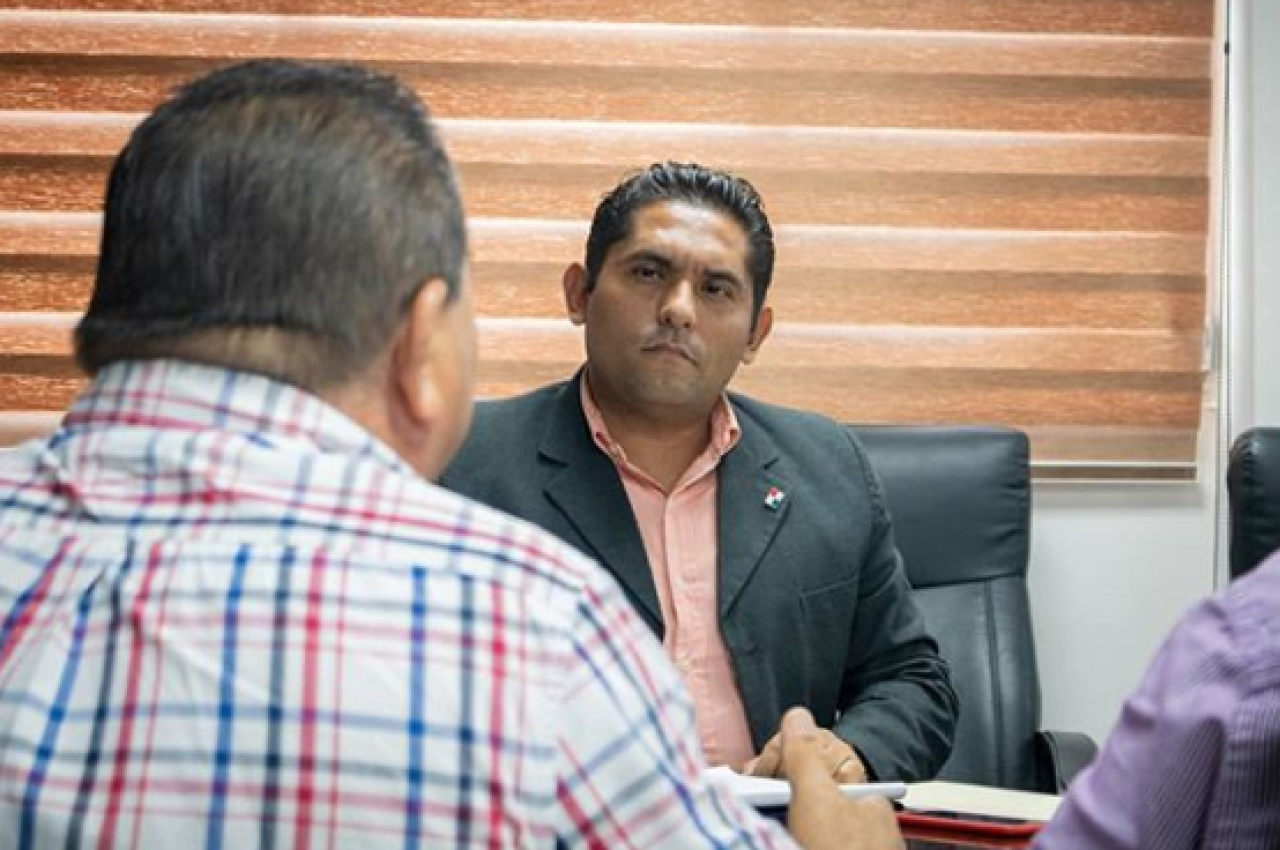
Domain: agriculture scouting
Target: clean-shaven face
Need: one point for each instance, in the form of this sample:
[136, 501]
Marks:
[670, 316]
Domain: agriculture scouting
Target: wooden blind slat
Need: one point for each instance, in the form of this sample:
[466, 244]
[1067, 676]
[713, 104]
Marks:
[1153, 446]
[17, 426]
[974, 299]
[752, 97]
[837, 198]
[817, 149]
[596, 45]
[1119, 17]
[28, 334]
[56, 234]
[794, 346]
[871, 248]
[530, 289]
[803, 246]
[1138, 403]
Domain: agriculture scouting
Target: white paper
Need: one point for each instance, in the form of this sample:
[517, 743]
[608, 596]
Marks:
[763, 793]
[980, 800]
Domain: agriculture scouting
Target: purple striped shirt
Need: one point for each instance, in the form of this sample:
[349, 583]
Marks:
[230, 618]
[1195, 758]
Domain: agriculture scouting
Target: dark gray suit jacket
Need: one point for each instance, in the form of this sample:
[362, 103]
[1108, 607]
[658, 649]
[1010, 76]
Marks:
[814, 603]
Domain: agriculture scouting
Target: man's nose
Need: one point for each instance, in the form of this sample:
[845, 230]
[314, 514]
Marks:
[677, 309]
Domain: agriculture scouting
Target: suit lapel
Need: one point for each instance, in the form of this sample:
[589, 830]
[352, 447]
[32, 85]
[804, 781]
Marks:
[586, 489]
[752, 503]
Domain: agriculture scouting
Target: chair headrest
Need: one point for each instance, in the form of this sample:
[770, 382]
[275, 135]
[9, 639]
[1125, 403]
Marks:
[1253, 484]
[960, 498]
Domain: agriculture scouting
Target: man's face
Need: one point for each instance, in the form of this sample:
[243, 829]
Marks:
[669, 318]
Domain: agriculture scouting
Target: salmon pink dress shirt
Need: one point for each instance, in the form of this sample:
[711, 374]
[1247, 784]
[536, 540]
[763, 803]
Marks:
[679, 532]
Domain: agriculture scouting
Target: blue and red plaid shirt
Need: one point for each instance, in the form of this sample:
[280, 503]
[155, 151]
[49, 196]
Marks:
[231, 618]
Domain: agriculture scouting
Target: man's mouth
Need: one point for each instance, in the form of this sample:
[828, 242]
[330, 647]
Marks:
[671, 347]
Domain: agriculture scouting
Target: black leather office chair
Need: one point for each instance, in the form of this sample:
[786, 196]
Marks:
[961, 503]
[1253, 485]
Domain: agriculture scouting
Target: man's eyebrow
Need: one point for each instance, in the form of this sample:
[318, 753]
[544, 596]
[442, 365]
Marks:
[649, 255]
[727, 276]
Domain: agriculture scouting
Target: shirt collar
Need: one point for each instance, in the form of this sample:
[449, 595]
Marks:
[725, 432]
[177, 395]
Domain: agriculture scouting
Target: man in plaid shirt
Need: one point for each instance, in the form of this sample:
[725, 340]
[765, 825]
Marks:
[234, 612]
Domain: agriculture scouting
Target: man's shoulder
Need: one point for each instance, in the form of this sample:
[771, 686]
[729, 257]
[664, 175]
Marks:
[1248, 611]
[789, 425]
[488, 545]
[500, 408]
[501, 448]
[515, 415]
[814, 448]
[1263, 583]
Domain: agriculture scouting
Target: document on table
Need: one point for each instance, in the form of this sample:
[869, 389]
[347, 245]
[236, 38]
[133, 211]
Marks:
[980, 800]
[762, 793]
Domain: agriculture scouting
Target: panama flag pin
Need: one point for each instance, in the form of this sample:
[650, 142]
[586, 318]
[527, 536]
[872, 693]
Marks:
[773, 499]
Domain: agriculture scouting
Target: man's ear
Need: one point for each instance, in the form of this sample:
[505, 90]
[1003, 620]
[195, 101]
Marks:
[413, 356]
[764, 324]
[576, 294]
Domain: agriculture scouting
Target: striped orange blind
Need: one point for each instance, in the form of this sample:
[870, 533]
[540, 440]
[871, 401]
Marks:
[987, 210]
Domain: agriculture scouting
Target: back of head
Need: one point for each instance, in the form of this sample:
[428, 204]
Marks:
[277, 217]
[691, 184]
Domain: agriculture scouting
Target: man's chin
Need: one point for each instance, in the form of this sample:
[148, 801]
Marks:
[669, 394]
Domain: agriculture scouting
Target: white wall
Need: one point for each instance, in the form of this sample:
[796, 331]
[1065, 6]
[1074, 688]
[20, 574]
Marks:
[1114, 567]
[1263, 34]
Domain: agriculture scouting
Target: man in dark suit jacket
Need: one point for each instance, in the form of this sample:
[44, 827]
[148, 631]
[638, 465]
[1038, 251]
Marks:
[806, 584]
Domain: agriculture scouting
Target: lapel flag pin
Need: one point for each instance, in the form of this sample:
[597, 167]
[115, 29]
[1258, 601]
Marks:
[773, 499]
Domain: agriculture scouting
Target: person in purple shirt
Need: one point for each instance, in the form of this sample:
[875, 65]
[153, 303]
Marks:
[1195, 758]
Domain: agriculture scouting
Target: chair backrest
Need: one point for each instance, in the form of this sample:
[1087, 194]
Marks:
[961, 504]
[1253, 485]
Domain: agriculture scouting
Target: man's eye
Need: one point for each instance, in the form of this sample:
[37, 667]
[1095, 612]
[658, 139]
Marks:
[717, 289]
[647, 272]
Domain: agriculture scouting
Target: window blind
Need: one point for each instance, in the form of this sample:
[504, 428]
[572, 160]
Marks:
[988, 211]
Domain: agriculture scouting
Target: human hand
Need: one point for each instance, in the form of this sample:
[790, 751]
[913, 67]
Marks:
[819, 817]
[841, 762]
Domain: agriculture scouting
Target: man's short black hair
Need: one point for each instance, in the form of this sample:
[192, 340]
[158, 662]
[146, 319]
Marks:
[691, 184]
[275, 216]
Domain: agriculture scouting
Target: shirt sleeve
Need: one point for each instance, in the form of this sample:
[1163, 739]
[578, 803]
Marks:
[1154, 781]
[631, 768]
